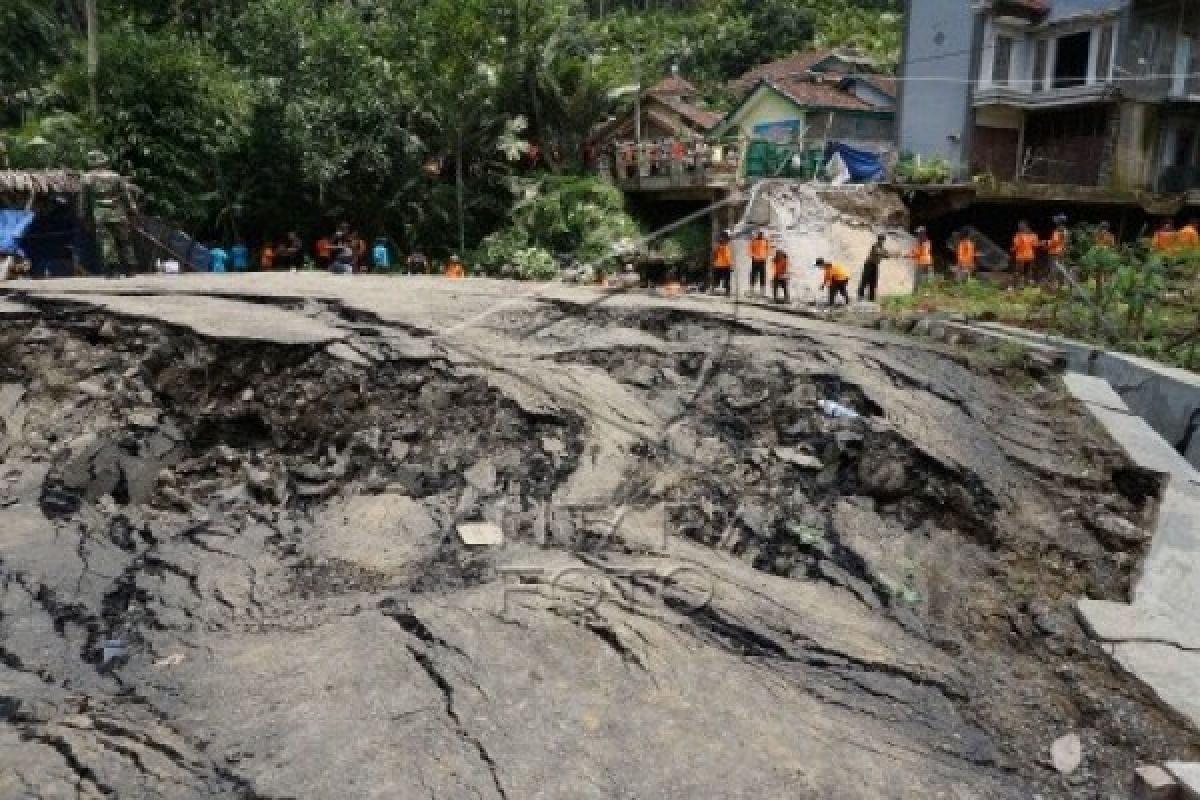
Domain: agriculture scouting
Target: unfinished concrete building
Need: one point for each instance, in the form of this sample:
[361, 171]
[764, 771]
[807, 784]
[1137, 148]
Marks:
[1102, 95]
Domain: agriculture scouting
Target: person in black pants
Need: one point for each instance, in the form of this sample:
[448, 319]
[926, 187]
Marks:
[836, 279]
[868, 286]
[760, 250]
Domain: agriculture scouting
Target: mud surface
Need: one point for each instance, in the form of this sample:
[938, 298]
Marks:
[231, 567]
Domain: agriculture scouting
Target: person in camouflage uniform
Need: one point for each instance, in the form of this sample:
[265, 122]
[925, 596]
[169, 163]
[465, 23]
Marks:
[111, 207]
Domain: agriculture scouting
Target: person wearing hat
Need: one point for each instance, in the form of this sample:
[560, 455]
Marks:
[868, 285]
[722, 263]
[454, 269]
[1104, 236]
[836, 278]
[760, 250]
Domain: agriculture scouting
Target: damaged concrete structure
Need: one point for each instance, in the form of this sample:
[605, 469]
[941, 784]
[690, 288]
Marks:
[1086, 93]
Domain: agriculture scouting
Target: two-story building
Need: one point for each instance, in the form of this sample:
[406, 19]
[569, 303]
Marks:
[1092, 93]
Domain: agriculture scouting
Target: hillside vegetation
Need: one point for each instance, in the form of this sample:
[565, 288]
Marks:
[410, 117]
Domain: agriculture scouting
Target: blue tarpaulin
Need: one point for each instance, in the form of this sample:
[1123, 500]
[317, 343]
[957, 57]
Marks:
[13, 225]
[864, 166]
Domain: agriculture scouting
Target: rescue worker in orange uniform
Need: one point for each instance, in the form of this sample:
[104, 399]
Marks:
[722, 263]
[836, 279]
[1056, 248]
[779, 276]
[965, 253]
[454, 269]
[760, 251]
[1024, 249]
[1165, 238]
[1188, 237]
[922, 256]
[266, 258]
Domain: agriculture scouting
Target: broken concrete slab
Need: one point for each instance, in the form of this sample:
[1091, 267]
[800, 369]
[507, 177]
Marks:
[1094, 391]
[1188, 776]
[1154, 783]
[1118, 622]
[1144, 445]
[212, 318]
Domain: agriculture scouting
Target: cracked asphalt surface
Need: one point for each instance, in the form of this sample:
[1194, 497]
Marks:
[230, 563]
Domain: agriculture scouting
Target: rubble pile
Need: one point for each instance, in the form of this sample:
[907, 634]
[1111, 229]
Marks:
[573, 550]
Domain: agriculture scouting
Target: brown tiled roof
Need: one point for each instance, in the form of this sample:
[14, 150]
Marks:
[672, 86]
[810, 93]
[699, 117]
[787, 68]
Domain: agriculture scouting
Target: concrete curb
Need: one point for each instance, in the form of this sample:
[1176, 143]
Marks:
[1157, 638]
[1166, 397]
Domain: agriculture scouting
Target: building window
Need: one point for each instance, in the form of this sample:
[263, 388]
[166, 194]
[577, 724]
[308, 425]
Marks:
[1104, 55]
[1071, 60]
[1041, 53]
[1002, 60]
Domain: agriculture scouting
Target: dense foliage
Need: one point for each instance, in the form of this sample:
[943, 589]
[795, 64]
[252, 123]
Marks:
[423, 120]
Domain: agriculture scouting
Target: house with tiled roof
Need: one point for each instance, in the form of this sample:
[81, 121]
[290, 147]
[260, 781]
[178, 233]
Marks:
[814, 98]
[670, 108]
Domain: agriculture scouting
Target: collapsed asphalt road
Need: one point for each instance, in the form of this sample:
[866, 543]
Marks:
[231, 562]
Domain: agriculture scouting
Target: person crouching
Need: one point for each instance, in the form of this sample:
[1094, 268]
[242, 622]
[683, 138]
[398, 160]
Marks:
[836, 279]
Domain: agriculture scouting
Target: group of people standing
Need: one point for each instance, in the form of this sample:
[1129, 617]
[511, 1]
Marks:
[344, 252]
[835, 277]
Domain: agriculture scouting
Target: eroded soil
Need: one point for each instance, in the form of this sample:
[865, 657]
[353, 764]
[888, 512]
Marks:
[708, 588]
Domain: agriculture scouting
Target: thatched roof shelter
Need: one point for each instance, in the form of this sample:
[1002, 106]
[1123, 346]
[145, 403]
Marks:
[48, 181]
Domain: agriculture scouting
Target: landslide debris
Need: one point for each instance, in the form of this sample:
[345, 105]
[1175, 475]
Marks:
[707, 587]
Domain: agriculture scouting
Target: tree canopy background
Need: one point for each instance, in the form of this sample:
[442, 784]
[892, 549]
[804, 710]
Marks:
[411, 118]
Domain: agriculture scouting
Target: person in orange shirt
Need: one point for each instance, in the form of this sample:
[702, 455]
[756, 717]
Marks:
[965, 256]
[836, 279]
[1188, 237]
[922, 256]
[1024, 248]
[722, 263]
[1165, 238]
[455, 270]
[779, 276]
[1056, 248]
[324, 252]
[760, 251]
[266, 258]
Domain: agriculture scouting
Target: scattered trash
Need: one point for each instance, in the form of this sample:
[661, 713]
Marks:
[173, 660]
[481, 534]
[1067, 753]
[837, 410]
[114, 649]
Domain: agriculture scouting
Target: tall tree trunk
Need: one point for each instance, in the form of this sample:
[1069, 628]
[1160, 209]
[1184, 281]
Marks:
[460, 191]
[93, 54]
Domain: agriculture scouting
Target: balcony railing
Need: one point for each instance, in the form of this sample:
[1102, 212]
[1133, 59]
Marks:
[673, 164]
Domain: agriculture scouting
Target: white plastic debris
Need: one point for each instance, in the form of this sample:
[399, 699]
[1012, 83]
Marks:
[481, 534]
[114, 649]
[837, 410]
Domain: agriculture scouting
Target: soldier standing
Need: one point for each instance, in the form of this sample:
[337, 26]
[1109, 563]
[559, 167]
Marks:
[110, 206]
